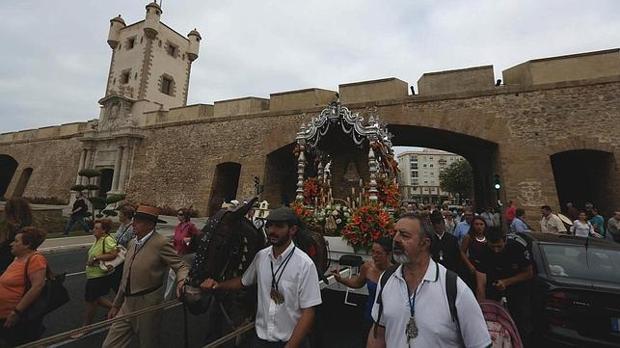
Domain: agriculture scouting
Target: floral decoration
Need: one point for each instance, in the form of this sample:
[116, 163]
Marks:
[333, 218]
[303, 213]
[311, 190]
[368, 224]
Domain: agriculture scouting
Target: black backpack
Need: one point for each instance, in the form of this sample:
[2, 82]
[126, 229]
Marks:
[451, 279]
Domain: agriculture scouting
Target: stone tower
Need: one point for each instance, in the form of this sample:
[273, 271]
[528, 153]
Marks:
[149, 69]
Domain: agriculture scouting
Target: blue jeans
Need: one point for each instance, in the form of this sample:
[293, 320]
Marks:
[73, 220]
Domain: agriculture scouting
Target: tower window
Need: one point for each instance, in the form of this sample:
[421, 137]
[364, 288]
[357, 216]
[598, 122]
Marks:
[125, 77]
[172, 50]
[167, 85]
[131, 42]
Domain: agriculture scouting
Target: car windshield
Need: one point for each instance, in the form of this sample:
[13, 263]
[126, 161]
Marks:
[572, 261]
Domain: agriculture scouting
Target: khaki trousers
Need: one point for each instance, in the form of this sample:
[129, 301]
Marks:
[146, 326]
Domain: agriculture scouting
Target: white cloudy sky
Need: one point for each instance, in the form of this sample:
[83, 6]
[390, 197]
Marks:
[54, 57]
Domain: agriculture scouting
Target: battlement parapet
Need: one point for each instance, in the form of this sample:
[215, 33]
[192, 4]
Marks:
[480, 78]
[373, 90]
[50, 132]
[180, 114]
[574, 67]
[240, 106]
[300, 99]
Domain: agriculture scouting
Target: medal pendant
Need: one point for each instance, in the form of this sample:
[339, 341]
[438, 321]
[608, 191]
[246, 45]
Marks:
[276, 296]
[412, 329]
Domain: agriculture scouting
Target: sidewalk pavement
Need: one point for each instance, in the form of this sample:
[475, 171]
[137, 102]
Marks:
[54, 245]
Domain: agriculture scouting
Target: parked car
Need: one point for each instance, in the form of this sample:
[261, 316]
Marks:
[576, 291]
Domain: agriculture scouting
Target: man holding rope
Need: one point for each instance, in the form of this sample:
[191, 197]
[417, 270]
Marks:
[288, 287]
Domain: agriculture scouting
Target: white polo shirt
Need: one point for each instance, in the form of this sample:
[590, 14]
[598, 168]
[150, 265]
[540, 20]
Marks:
[432, 312]
[299, 285]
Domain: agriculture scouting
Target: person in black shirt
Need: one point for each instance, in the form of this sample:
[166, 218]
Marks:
[444, 246]
[505, 271]
[77, 214]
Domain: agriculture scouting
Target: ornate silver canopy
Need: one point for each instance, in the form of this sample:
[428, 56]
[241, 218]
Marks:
[337, 115]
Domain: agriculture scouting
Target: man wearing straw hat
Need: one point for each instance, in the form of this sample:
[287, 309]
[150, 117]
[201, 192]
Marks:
[149, 256]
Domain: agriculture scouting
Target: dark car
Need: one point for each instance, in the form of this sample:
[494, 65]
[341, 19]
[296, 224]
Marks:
[576, 292]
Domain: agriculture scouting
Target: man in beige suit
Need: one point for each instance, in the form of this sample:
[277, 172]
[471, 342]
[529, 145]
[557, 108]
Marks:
[149, 256]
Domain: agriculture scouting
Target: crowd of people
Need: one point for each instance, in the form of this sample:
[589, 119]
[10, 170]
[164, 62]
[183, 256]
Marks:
[435, 252]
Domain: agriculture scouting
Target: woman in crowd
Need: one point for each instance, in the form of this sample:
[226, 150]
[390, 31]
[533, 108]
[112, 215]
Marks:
[370, 272]
[123, 235]
[17, 215]
[582, 227]
[474, 243]
[99, 281]
[17, 293]
[183, 234]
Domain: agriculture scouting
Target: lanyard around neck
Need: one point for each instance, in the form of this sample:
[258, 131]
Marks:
[274, 281]
[410, 298]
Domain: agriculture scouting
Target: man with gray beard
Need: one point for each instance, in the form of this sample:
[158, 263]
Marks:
[411, 307]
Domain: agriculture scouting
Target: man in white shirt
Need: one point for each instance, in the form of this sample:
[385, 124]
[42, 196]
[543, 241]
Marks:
[288, 285]
[550, 223]
[415, 311]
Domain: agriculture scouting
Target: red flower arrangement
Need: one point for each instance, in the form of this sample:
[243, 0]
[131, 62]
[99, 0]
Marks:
[303, 213]
[311, 190]
[388, 193]
[368, 224]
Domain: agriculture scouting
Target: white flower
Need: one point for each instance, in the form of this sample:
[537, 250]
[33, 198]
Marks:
[335, 213]
[347, 214]
[338, 221]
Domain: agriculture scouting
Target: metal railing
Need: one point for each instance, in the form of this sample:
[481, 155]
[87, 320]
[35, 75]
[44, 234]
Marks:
[92, 329]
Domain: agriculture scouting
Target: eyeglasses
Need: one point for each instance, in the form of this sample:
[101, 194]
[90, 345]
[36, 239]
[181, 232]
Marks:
[179, 214]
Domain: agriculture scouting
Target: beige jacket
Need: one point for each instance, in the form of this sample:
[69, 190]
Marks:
[145, 268]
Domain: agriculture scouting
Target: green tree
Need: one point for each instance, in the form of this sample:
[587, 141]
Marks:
[457, 178]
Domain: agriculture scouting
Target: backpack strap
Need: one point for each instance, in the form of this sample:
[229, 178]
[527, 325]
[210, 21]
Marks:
[451, 291]
[451, 279]
[382, 281]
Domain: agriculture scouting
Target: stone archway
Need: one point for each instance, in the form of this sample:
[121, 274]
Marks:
[224, 185]
[8, 165]
[481, 154]
[22, 183]
[585, 175]
[280, 176]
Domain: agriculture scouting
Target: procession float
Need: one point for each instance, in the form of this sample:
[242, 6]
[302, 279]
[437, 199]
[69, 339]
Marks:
[347, 186]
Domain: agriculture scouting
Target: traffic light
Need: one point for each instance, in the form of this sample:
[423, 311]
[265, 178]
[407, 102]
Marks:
[498, 184]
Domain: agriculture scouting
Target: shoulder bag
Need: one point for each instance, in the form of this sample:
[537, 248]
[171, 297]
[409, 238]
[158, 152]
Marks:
[53, 295]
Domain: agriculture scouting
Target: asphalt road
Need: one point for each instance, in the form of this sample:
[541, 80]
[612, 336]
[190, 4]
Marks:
[338, 325]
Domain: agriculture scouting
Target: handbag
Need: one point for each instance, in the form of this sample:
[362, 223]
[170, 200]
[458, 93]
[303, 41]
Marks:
[120, 257]
[52, 296]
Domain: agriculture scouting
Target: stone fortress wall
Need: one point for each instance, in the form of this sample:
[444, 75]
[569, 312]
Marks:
[544, 107]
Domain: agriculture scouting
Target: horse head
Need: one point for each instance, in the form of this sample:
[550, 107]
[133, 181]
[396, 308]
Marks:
[225, 250]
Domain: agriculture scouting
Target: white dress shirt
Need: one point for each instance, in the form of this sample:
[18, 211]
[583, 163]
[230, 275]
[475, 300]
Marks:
[432, 312]
[299, 285]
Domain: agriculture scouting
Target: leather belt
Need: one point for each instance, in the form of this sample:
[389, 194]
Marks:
[144, 292]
